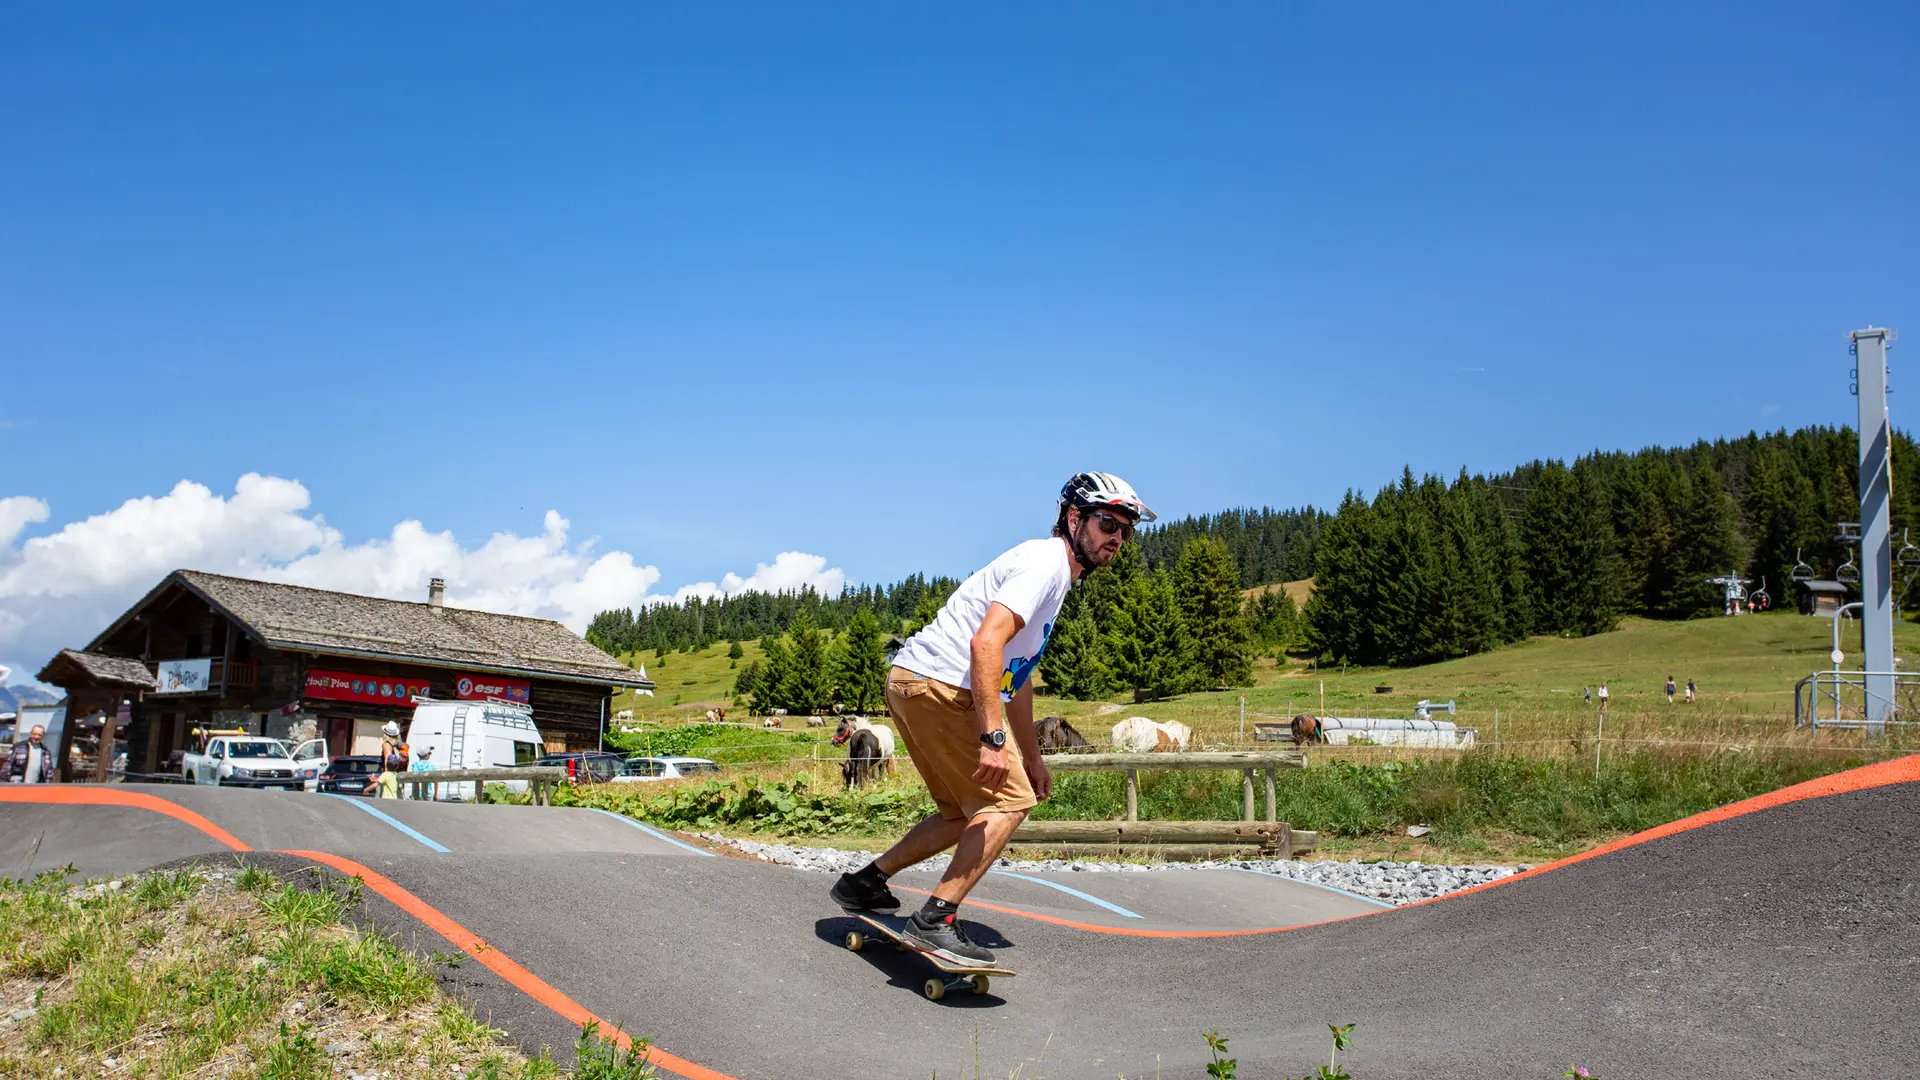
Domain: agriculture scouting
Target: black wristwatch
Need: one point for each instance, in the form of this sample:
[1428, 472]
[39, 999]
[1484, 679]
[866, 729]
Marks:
[996, 738]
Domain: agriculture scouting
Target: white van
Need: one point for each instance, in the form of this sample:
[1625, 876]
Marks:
[474, 735]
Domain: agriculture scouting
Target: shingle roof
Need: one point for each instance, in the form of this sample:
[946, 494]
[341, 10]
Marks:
[298, 619]
[108, 670]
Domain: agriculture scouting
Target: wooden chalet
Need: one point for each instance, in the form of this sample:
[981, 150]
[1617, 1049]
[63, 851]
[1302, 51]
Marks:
[206, 650]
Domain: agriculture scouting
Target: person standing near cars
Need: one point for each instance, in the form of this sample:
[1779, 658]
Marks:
[975, 748]
[423, 762]
[393, 760]
[30, 762]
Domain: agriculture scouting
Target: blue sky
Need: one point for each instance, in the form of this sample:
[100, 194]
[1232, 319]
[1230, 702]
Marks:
[869, 281]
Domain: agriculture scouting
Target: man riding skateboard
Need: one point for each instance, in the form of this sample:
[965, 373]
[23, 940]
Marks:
[983, 778]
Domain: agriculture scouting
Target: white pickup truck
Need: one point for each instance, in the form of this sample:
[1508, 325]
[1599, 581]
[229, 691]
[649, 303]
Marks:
[232, 759]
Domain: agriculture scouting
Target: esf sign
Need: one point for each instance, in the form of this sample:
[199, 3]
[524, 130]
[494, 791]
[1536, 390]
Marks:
[482, 687]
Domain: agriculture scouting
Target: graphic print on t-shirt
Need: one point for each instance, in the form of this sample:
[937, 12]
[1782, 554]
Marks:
[1020, 668]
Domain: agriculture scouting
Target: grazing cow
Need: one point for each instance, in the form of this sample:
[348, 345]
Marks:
[1306, 729]
[1056, 734]
[1137, 735]
[863, 758]
[851, 725]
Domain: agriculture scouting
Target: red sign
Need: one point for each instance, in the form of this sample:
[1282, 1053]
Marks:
[482, 687]
[373, 689]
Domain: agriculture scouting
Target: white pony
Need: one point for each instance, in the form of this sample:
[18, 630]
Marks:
[851, 724]
[1139, 735]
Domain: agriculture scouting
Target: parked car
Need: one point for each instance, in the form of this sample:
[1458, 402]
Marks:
[664, 768]
[587, 767]
[242, 761]
[474, 735]
[350, 776]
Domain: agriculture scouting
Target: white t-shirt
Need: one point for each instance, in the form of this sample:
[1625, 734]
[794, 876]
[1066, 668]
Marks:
[1031, 581]
[34, 757]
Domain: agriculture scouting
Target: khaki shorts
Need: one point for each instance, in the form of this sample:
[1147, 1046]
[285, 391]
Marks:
[943, 737]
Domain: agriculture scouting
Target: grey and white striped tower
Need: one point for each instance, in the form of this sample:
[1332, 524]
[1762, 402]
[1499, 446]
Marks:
[1876, 534]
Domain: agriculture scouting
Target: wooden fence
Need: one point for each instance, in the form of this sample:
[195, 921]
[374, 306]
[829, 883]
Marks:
[1271, 835]
[540, 779]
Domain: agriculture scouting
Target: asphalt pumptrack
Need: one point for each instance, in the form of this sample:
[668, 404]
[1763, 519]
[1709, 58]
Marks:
[1770, 938]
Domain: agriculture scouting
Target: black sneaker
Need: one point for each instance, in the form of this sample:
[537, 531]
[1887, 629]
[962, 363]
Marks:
[855, 894]
[945, 940]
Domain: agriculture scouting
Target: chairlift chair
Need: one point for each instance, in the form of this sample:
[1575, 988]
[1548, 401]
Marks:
[1849, 572]
[1759, 597]
[1801, 571]
[1909, 554]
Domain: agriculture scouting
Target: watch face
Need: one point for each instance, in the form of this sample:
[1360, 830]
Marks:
[995, 739]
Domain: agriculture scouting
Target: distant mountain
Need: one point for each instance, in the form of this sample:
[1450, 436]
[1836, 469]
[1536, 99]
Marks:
[12, 697]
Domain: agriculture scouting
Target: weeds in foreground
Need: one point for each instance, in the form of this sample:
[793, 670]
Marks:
[174, 974]
[602, 1058]
[294, 1055]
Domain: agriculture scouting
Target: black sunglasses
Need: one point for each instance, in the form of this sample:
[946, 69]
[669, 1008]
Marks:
[1110, 524]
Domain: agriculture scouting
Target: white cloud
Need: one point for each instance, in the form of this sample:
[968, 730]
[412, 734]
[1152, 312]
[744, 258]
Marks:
[17, 513]
[790, 571]
[61, 589]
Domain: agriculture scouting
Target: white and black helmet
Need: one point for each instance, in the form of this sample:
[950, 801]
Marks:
[1090, 489]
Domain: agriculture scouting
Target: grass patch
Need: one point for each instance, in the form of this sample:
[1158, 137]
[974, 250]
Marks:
[724, 744]
[805, 804]
[194, 973]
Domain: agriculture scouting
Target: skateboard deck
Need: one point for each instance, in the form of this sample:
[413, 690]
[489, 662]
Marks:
[955, 976]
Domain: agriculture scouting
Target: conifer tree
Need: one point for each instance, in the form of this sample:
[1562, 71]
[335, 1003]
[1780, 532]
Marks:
[1073, 664]
[774, 688]
[1336, 609]
[1710, 546]
[1274, 620]
[1167, 657]
[860, 663]
[1208, 585]
[735, 651]
[1780, 511]
[1570, 562]
[809, 689]
[746, 686]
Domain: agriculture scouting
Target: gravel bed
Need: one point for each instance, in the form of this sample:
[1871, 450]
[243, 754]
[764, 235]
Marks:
[1393, 882]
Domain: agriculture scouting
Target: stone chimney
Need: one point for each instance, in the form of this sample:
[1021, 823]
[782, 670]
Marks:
[437, 593]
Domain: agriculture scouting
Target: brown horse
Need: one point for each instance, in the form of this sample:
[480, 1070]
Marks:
[1056, 734]
[1306, 729]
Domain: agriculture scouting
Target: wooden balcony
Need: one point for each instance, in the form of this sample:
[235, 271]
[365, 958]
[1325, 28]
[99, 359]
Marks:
[243, 674]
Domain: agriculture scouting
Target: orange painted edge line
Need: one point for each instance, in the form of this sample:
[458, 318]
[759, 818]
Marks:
[526, 981]
[466, 940]
[1905, 770]
[78, 795]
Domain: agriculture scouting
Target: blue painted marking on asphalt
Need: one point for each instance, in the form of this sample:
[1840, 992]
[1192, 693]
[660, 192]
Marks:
[389, 819]
[649, 830]
[1315, 884]
[1070, 891]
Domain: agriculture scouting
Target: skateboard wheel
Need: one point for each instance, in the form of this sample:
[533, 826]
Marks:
[935, 989]
[981, 983]
[855, 940]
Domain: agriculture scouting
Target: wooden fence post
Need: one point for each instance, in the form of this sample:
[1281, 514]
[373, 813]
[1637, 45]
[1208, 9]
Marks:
[1246, 794]
[1272, 811]
[1133, 795]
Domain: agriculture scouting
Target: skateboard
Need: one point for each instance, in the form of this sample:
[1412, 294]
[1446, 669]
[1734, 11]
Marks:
[955, 977]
